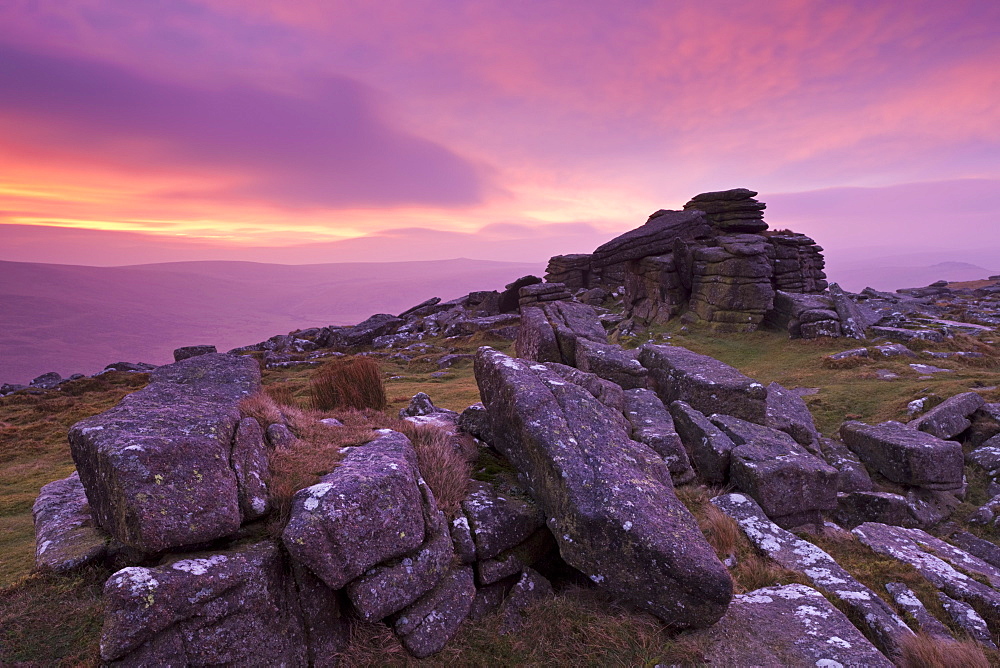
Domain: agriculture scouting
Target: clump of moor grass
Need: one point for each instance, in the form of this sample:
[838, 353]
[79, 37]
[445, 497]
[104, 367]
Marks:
[348, 383]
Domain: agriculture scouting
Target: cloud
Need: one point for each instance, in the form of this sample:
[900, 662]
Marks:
[330, 147]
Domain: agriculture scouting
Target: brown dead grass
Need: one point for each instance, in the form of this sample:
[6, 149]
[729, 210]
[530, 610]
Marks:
[722, 531]
[577, 627]
[282, 395]
[846, 363]
[443, 465]
[261, 407]
[348, 383]
[924, 651]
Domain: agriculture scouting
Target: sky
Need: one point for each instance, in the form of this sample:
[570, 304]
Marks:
[313, 131]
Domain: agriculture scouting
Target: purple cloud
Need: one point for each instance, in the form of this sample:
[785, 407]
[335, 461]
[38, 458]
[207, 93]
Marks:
[330, 147]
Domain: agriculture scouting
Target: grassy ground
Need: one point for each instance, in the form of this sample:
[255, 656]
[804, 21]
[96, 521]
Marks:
[49, 620]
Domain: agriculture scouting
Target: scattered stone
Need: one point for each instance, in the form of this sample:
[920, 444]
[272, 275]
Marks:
[130, 367]
[368, 510]
[609, 500]
[65, 535]
[903, 335]
[908, 601]
[47, 381]
[790, 625]
[447, 361]
[362, 334]
[927, 369]
[894, 350]
[705, 383]
[905, 455]
[885, 374]
[987, 514]
[192, 351]
[803, 557]
[421, 404]
[476, 421]
[849, 354]
[279, 436]
[967, 619]
[852, 321]
[531, 587]
[854, 476]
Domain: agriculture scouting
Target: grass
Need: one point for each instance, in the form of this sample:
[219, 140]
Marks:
[923, 651]
[354, 382]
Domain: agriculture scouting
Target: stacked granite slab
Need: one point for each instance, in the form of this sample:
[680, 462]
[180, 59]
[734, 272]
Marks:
[573, 271]
[798, 263]
[806, 316]
[655, 290]
[542, 292]
[731, 283]
[731, 210]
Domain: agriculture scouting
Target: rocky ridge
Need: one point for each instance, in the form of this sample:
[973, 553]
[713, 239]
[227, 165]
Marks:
[172, 482]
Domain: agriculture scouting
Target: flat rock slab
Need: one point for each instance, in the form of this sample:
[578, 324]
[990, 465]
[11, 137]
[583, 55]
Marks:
[909, 546]
[156, 467]
[951, 417]
[65, 535]
[704, 382]
[656, 237]
[609, 500]
[967, 619]
[611, 362]
[206, 609]
[787, 412]
[907, 456]
[368, 510]
[792, 625]
[822, 570]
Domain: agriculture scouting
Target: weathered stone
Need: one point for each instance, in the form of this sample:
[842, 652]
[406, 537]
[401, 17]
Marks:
[902, 335]
[476, 421]
[789, 625]
[366, 511]
[708, 446]
[930, 507]
[977, 547]
[421, 404]
[894, 350]
[489, 598]
[572, 321]
[852, 321]
[391, 586]
[156, 467]
[967, 619]
[572, 270]
[803, 557]
[611, 362]
[426, 626]
[705, 383]
[536, 339]
[461, 538]
[65, 535]
[422, 305]
[510, 297]
[609, 500]
[905, 455]
[988, 513]
[951, 417]
[539, 545]
[847, 354]
[236, 607]
[926, 554]
[654, 238]
[652, 424]
[192, 351]
[815, 330]
[854, 476]
[362, 334]
[325, 618]
[499, 521]
[530, 588]
[253, 469]
[793, 486]
[908, 601]
[884, 507]
[787, 412]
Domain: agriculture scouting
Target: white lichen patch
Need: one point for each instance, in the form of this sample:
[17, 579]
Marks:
[199, 566]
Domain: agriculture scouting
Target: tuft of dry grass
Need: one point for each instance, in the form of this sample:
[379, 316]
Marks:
[846, 363]
[348, 383]
[923, 651]
[262, 407]
[722, 531]
[282, 395]
[443, 464]
[755, 571]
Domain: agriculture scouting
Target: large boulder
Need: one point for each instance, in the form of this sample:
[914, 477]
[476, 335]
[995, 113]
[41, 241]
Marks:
[361, 334]
[235, 608]
[853, 322]
[703, 382]
[368, 510]
[611, 362]
[709, 447]
[157, 467]
[609, 500]
[905, 455]
[65, 535]
[787, 412]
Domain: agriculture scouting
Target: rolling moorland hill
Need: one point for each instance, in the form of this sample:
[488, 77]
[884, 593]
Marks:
[75, 319]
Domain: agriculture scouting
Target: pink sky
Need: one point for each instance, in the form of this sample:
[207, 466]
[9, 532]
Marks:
[312, 131]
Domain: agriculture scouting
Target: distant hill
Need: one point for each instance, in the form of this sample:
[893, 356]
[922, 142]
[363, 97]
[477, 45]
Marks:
[890, 274]
[70, 319]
